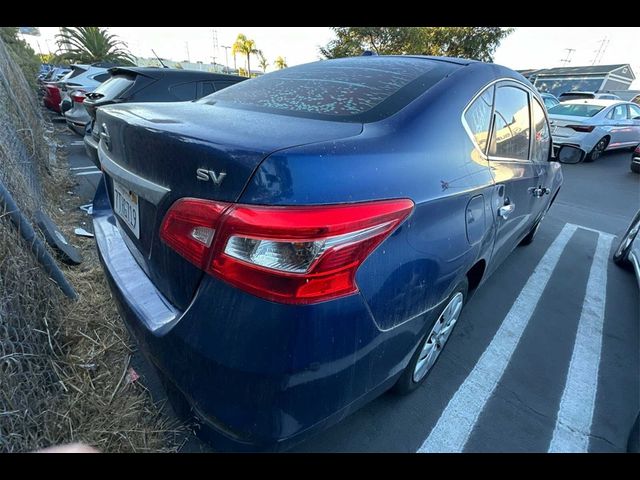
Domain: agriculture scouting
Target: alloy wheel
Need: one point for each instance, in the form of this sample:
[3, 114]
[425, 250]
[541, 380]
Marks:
[438, 336]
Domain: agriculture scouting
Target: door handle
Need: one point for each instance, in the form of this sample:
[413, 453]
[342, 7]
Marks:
[506, 210]
[539, 191]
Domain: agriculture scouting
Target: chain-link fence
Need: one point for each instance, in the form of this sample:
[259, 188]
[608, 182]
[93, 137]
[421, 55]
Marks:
[28, 298]
[63, 365]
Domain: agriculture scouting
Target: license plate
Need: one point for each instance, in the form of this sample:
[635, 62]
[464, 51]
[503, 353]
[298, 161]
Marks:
[125, 205]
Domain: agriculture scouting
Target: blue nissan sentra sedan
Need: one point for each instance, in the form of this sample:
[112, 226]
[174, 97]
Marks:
[291, 247]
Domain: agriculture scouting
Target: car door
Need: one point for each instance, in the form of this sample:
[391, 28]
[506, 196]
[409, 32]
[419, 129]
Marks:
[618, 125]
[634, 116]
[516, 176]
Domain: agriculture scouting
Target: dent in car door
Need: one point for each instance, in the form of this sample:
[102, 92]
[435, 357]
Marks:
[515, 175]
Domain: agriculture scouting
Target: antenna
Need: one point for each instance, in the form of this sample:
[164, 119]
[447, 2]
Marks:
[159, 59]
[567, 60]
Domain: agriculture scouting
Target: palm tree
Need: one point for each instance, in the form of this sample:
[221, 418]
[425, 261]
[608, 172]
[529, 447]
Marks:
[90, 45]
[263, 61]
[245, 46]
[280, 63]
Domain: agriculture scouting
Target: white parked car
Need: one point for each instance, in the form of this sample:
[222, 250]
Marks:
[595, 125]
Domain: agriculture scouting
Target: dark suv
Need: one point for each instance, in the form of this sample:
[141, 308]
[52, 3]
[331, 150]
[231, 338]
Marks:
[145, 84]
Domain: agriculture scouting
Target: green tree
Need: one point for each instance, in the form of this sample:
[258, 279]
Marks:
[477, 43]
[21, 53]
[262, 60]
[246, 47]
[280, 63]
[91, 44]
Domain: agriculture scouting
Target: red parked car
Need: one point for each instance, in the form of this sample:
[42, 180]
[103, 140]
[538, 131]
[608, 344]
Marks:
[51, 97]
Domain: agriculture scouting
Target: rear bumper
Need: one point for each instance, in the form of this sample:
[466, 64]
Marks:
[586, 141]
[91, 147]
[259, 375]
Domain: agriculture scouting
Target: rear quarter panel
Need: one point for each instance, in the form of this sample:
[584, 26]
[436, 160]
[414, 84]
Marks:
[422, 153]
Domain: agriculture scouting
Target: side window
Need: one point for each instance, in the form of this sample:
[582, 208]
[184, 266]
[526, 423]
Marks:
[103, 77]
[478, 118]
[620, 112]
[184, 91]
[207, 88]
[542, 136]
[634, 112]
[511, 129]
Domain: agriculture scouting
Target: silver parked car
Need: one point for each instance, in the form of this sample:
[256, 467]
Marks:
[628, 251]
[77, 116]
[595, 125]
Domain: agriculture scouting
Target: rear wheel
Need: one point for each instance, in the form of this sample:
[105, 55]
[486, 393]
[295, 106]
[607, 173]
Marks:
[635, 168]
[620, 257]
[433, 343]
[597, 150]
[532, 234]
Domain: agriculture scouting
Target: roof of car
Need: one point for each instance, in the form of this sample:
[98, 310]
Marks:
[155, 72]
[602, 102]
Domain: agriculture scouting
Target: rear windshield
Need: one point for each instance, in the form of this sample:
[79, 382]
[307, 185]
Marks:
[575, 110]
[362, 89]
[113, 88]
[76, 71]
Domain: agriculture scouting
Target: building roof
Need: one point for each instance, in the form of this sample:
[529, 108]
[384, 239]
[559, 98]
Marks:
[589, 70]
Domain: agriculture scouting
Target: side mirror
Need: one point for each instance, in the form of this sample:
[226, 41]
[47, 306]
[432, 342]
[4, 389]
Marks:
[570, 154]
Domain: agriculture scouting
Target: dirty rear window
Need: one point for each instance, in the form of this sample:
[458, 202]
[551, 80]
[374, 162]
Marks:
[362, 89]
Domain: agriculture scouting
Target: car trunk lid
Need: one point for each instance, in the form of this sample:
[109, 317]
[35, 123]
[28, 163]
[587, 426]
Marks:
[153, 154]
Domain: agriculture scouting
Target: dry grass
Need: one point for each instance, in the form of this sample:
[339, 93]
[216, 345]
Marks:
[63, 364]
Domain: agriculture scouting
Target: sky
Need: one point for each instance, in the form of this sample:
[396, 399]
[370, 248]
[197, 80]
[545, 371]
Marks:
[527, 47]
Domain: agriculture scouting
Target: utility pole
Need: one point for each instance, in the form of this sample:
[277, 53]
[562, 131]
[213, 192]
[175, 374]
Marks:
[215, 47]
[567, 60]
[604, 43]
[226, 56]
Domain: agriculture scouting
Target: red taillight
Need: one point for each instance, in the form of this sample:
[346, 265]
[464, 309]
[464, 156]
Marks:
[189, 228]
[78, 96]
[296, 255]
[582, 128]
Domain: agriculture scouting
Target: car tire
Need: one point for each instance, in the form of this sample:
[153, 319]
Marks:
[414, 375]
[528, 240]
[621, 254]
[635, 168]
[597, 150]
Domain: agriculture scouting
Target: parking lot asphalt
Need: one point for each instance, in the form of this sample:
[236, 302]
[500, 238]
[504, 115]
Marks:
[546, 355]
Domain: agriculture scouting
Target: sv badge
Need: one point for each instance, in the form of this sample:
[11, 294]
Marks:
[206, 175]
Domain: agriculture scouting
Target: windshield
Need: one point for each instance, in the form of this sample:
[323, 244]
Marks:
[361, 89]
[575, 110]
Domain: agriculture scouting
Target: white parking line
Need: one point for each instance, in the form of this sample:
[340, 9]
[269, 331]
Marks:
[451, 432]
[600, 232]
[573, 424]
